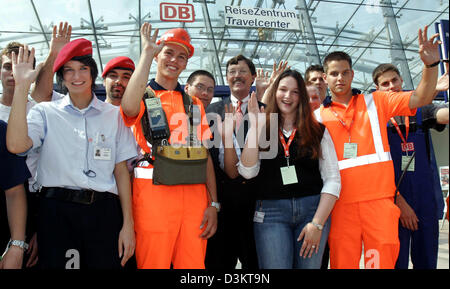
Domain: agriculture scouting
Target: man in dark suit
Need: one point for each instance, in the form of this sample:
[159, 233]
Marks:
[234, 237]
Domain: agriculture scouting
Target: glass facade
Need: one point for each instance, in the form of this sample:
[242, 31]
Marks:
[371, 31]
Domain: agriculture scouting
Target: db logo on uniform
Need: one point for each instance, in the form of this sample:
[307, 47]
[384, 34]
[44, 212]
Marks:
[175, 12]
[409, 146]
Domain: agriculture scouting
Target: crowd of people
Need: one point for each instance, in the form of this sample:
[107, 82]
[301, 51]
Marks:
[162, 176]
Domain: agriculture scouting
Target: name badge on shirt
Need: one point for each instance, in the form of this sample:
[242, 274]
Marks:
[350, 150]
[103, 154]
[405, 160]
[289, 175]
[258, 217]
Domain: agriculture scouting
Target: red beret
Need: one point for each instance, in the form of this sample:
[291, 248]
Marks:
[118, 62]
[77, 47]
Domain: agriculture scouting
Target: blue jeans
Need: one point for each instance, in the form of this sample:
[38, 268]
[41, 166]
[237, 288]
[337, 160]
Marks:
[276, 237]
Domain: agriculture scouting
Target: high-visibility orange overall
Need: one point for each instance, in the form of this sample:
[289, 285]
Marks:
[365, 212]
[167, 218]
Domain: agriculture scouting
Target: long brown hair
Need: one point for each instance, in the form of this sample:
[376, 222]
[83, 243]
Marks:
[309, 132]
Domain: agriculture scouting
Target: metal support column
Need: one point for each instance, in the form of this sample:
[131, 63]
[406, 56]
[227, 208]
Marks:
[310, 39]
[44, 33]
[397, 51]
[95, 36]
[207, 20]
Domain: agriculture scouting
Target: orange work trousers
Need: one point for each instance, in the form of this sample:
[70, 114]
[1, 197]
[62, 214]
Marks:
[372, 224]
[167, 225]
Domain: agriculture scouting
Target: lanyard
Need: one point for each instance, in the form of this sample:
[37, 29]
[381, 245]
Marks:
[404, 138]
[283, 143]
[394, 122]
[347, 128]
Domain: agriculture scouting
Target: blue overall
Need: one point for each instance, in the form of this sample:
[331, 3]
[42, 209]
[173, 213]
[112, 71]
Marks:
[422, 191]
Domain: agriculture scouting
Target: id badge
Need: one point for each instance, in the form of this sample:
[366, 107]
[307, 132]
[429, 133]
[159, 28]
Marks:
[405, 160]
[258, 217]
[350, 150]
[289, 175]
[103, 154]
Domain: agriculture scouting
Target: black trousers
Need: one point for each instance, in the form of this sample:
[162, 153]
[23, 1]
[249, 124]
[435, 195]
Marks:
[234, 237]
[72, 235]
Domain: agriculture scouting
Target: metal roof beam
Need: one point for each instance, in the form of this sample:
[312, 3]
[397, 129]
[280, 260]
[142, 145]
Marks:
[40, 24]
[95, 36]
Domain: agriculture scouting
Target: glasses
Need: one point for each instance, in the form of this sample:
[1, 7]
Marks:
[203, 88]
[235, 72]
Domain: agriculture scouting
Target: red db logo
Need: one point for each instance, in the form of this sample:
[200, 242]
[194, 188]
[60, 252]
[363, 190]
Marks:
[174, 12]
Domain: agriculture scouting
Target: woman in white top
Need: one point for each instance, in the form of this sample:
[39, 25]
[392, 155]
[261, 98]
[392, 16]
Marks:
[299, 187]
[85, 217]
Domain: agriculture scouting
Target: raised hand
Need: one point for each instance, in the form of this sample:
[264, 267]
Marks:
[261, 80]
[253, 106]
[428, 48]
[60, 37]
[276, 71]
[256, 114]
[23, 71]
[149, 41]
[229, 122]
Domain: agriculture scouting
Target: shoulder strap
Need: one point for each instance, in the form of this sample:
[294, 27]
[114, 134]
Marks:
[187, 102]
[189, 109]
[145, 122]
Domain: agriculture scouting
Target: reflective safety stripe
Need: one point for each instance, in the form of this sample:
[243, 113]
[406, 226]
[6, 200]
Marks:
[364, 160]
[374, 123]
[143, 173]
[380, 155]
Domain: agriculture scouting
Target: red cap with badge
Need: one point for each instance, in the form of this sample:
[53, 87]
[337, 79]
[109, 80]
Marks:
[118, 62]
[77, 47]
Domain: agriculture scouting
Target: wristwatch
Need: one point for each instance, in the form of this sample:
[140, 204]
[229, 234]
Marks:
[318, 226]
[216, 205]
[21, 244]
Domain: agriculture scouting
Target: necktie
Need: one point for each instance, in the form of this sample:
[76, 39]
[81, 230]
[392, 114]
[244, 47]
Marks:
[239, 115]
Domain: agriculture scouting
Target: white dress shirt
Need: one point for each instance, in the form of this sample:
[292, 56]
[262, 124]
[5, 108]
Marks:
[68, 139]
[234, 101]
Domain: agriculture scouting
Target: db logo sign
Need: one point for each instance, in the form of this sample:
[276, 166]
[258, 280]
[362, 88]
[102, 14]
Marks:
[174, 12]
